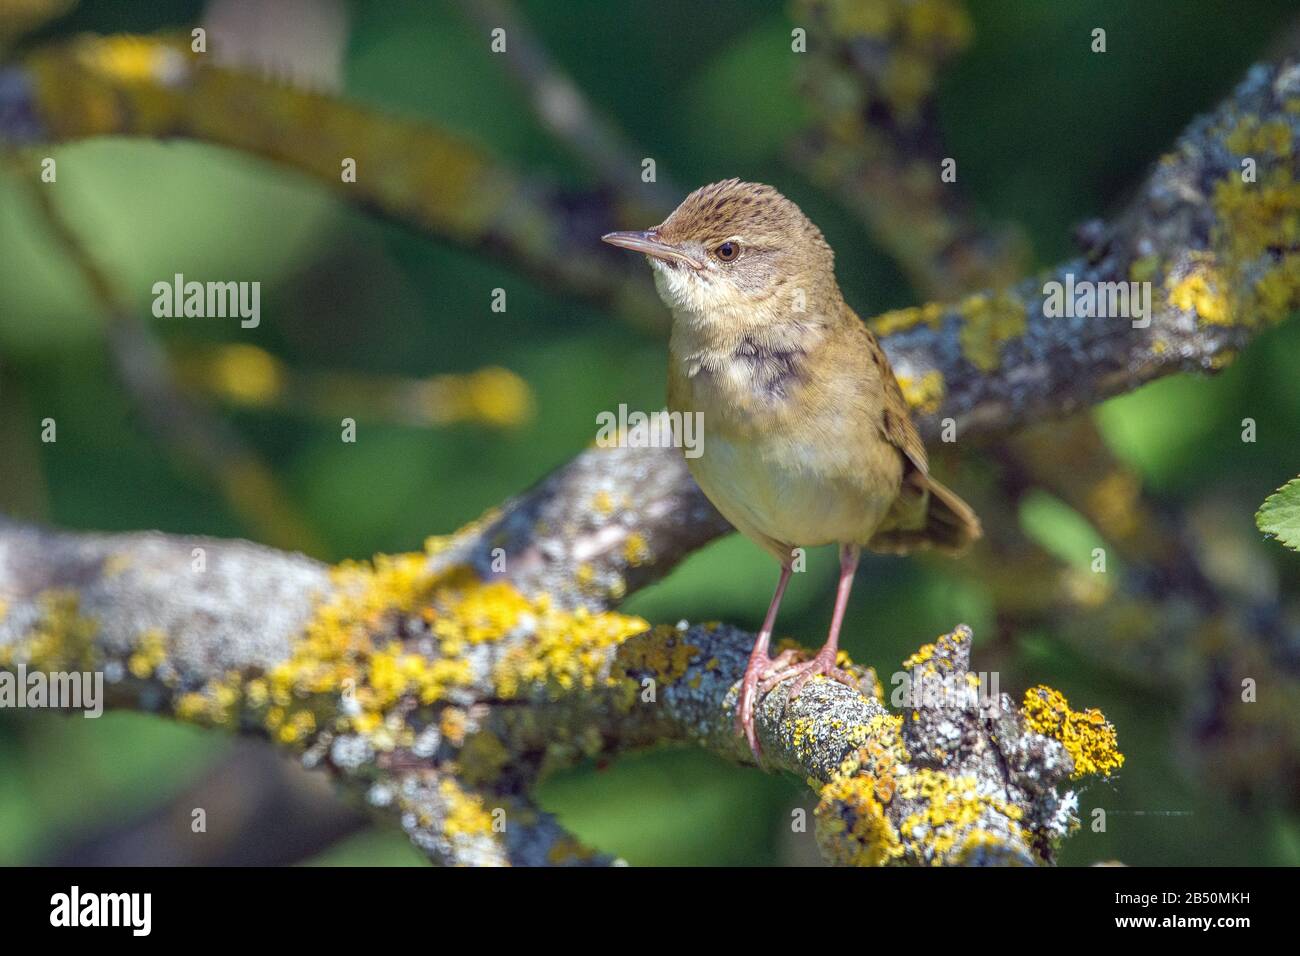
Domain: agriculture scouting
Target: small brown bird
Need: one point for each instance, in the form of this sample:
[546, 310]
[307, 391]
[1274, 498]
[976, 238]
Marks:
[807, 438]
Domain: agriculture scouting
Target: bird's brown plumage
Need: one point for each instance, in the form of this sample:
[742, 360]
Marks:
[807, 439]
[791, 382]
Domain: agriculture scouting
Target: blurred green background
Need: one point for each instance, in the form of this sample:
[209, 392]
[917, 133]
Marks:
[1047, 134]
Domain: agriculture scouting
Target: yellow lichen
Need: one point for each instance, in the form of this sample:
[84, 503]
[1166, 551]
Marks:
[950, 807]
[926, 652]
[1200, 292]
[1088, 737]
[1257, 228]
[989, 321]
[900, 320]
[919, 657]
[60, 640]
[851, 826]
[977, 842]
[880, 753]
[352, 670]
[567, 650]
[662, 653]
[924, 394]
[150, 653]
[466, 814]
[1253, 138]
[635, 550]
[602, 503]
[299, 727]
[451, 724]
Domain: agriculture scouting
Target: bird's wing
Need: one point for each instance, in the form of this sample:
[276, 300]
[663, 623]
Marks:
[925, 514]
[895, 419]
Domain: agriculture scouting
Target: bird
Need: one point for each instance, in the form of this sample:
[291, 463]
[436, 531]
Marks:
[807, 438]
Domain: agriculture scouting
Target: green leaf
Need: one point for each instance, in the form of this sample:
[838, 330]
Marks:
[1279, 515]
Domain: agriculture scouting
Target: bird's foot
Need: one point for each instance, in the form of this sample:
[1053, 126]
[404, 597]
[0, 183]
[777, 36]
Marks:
[759, 669]
[823, 662]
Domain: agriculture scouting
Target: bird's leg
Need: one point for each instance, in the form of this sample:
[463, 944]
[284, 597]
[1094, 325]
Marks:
[759, 665]
[824, 660]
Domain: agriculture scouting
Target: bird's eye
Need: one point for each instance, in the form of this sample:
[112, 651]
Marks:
[727, 251]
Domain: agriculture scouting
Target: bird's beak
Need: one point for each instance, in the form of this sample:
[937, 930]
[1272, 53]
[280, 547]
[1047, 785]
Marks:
[650, 244]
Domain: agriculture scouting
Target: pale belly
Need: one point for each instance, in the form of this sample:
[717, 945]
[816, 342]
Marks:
[772, 493]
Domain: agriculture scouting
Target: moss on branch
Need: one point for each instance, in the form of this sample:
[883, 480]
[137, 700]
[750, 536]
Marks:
[442, 696]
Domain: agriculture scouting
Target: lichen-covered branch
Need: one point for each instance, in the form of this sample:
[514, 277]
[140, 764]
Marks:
[1219, 253]
[599, 528]
[246, 376]
[413, 171]
[442, 696]
[187, 428]
[440, 685]
[870, 79]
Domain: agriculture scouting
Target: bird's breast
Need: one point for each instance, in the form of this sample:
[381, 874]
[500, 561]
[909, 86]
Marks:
[785, 465]
[791, 491]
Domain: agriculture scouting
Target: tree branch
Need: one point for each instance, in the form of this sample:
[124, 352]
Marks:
[186, 428]
[443, 183]
[870, 83]
[1219, 254]
[441, 688]
[442, 697]
[1220, 259]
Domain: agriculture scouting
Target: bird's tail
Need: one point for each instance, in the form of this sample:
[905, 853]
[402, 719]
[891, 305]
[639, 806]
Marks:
[948, 524]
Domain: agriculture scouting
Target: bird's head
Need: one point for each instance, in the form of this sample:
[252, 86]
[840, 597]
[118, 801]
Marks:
[735, 249]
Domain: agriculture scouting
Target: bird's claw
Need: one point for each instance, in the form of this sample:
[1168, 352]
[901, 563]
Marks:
[823, 662]
[759, 668]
